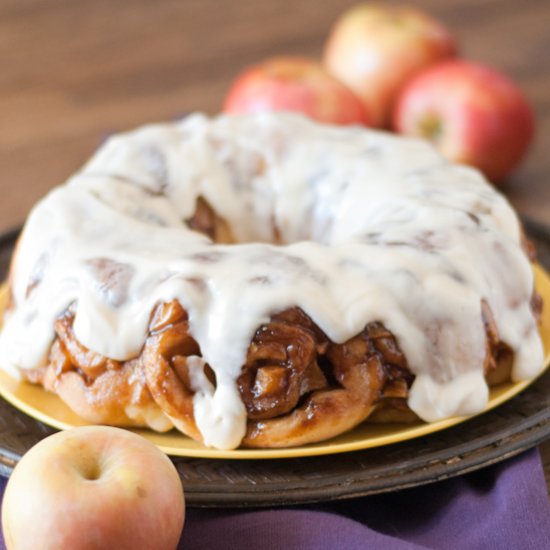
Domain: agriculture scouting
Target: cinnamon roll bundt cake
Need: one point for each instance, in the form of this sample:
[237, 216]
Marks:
[267, 281]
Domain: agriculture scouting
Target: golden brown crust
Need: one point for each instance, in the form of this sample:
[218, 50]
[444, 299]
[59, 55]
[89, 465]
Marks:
[298, 387]
[165, 357]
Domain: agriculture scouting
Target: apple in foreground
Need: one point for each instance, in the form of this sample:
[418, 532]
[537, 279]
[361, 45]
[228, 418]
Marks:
[376, 48]
[295, 84]
[473, 114]
[93, 488]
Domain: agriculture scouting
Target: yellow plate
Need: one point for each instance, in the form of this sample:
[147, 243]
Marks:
[48, 408]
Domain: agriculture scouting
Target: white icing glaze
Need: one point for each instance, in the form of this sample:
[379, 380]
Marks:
[373, 228]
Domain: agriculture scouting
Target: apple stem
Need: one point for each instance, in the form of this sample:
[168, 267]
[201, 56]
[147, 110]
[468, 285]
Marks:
[431, 128]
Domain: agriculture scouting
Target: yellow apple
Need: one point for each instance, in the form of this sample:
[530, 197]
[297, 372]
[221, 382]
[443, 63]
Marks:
[93, 488]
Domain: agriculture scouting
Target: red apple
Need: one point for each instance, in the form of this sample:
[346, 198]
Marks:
[375, 49]
[473, 114]
[294, 84]
[93, 488]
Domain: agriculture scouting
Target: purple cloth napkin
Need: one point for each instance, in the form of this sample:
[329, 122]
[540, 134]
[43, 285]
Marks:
[502, 507]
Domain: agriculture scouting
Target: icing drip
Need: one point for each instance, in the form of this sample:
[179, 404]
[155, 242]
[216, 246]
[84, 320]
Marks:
[353, 226]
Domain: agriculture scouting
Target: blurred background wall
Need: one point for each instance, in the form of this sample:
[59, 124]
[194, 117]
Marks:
[74, 71]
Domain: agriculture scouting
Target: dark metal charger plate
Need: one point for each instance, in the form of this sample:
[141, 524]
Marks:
[504, 432]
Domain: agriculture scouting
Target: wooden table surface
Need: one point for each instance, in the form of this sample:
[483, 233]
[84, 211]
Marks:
[73, 72]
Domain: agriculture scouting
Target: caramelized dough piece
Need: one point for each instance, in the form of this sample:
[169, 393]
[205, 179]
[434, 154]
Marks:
[279, 369]
[536, 305]
[361, 371]
[88, 362]
[376, 341]
[99, 389]
[113, 396]
[499, 357]
[165, 359]
[528, 246]
[206, 221]
[325, 413]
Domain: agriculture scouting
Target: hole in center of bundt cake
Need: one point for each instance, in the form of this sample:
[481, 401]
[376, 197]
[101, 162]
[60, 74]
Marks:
[207, 221]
